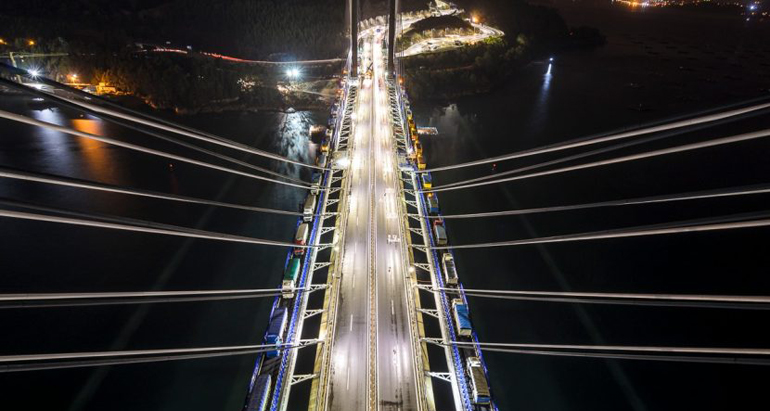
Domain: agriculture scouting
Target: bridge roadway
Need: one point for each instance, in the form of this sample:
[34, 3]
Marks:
[371, 352]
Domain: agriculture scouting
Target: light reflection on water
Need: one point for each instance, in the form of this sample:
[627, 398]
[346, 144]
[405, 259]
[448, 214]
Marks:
[95, 153]
[293, 141]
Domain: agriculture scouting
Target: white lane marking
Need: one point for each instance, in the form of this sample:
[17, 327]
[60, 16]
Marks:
[347, 384]
[351, 322]
[392, 310]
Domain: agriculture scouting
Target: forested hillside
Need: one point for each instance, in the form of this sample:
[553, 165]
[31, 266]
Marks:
[246, 28]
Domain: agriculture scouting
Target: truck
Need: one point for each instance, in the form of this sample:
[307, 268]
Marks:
[315, 188]
[308, 210]
[290, 275]
[450, 271]
[440, 232]
[427, 180]
[420, 163]
[432, 203]
[301, 238]
[260, 395]
[275, 330]
[417, 147]
[320, 161]
[462, 318]
[477, 381]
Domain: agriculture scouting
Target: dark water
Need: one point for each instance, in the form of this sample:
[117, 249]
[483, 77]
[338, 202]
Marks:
[40, 257]
[621, 85]
[583, 94]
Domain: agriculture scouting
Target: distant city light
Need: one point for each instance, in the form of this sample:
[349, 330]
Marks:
[753, 7]
[73, 76]
[550, 59]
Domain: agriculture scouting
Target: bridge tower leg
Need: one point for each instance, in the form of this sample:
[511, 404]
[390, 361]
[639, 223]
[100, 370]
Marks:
[353, 5]
[392, 37]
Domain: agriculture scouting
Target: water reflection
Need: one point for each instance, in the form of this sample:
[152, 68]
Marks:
[56, 146]
[541, 104]
[293, 141]
[94, 152]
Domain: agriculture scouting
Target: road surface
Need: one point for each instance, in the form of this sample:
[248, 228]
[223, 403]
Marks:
[372, 317]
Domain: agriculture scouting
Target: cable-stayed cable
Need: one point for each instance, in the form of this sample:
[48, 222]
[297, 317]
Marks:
[134, 147]
[675, 228]
[623, 145]
[621, 348]
[57, 365]
[666, 300]
[48, 300]
[697, 195]
[126, 227]
[4, 359]
[158, 123]
[65, 102]
[581, 142]
[27, 206]
[644, 357]
[77, 183]
[633, 157]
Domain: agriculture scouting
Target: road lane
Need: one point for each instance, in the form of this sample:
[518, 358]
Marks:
[372, 315]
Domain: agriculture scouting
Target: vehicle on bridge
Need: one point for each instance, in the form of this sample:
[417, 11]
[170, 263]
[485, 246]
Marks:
[290, 275]
[450, 271]
[420, 163]
[320, 161]
[439, 232]
[260, 396]
[432, 204]
[417, 147]
[315, 188]
[309, 209]
[275, 330]
[301, 238]
[477, 381]
[427, 180]
[462, 318]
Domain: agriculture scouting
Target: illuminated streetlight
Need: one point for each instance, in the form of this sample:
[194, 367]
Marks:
[73, 77]
[31, 42]
[292, 73]
[2, 41]
[33, 72]
[475, 19]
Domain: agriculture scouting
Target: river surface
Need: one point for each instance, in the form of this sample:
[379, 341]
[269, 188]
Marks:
[580, 94]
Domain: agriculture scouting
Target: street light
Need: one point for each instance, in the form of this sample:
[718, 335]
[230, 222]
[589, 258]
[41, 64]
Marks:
[33, 72]
[73, 77]
[31, 42]
[292, 73]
